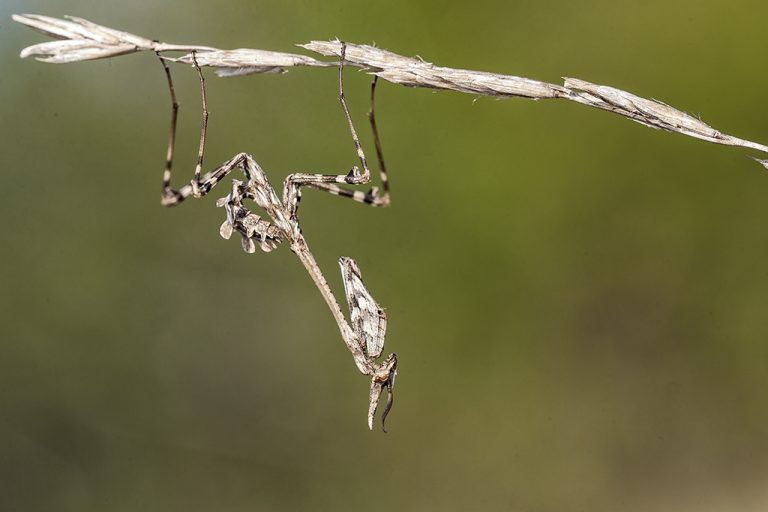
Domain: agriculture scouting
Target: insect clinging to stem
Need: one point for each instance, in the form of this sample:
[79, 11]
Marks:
[365, 336]
[79, 39]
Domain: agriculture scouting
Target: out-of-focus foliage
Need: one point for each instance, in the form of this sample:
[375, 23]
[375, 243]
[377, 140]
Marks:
[576, 301]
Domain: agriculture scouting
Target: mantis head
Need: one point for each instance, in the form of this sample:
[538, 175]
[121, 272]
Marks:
[383, 377]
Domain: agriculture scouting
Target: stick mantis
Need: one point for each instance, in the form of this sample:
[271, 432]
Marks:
[364, 334]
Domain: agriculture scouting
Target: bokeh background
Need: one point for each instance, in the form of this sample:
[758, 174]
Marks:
[577, 302]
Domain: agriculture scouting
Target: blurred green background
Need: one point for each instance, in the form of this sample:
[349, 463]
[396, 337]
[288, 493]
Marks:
[577, 301]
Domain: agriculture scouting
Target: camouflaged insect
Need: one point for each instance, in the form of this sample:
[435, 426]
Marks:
[82, 40]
